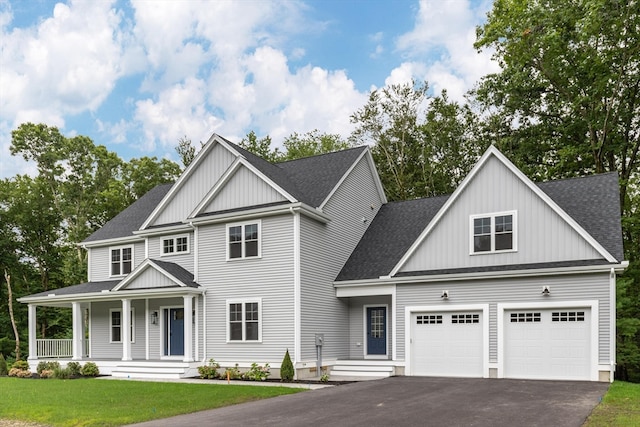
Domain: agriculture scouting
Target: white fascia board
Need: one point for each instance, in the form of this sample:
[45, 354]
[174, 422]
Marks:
[364, 291]
[261, 213]
[213, 140]
[174, 228]
[128, 240]
[112, 296]
[224, 179]
[604, 268]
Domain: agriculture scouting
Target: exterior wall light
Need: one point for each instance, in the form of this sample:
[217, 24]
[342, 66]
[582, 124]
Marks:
[546, 290]
[445, 295]
[154, 317]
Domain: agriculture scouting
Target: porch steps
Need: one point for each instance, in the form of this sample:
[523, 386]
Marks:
[363, 368]
[173, 370]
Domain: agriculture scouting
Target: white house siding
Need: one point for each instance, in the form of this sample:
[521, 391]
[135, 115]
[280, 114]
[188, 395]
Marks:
[357, 323]
[542, 235]
[270, 278]
[244, 189]
[183, 260]
[197, 185]
[324, 248]
[101, 330]
[578, 287]
[100, 259]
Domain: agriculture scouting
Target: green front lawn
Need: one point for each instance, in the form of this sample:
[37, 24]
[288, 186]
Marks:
[619, 407]
[95, 402]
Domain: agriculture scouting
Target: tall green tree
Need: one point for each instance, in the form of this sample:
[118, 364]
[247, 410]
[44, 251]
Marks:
[295, 146]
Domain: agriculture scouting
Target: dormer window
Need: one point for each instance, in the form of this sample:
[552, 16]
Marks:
[175, 245]
[243, 240]
[121, 260]
[493, 232]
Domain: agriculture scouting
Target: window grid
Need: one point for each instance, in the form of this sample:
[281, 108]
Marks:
[525, 317]
[567, 316]
[493, 233]
[465, 318]
[121, 261]
[429, 319]
[173, 245]
[244, 321]
[116, 326]
[243, 241]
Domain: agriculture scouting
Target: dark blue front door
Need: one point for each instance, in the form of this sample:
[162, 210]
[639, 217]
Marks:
[174, 344]
[376, 330]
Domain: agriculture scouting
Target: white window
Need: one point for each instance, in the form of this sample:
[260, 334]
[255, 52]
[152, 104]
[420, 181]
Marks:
[121, 260]
[244, 320]
[175, 245]
[493, 232]
[115, 335]
[243, 240]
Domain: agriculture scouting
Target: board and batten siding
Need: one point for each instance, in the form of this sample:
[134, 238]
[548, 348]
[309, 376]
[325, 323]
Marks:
[100, 330]
[324, 248]
[542, 235]
[197, 185]
[270, 277]
[244, 188]
[357, 336]
[100, 259]
[150, 278]
[578, 287]
[183, 260]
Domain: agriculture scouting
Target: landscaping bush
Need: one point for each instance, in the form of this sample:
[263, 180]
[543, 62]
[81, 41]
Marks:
[257, 373]
[22, 365]
[20, 373]
[3, 366]
[90, 369]
[46, 373]
[74, 369]
[47, 366]
[286, 368]
[210, 370]
[232, 373]
[61, 373]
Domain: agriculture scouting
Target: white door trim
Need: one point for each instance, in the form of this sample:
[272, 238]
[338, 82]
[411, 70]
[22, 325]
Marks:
[409, 310]
[595, 316]
[386, 332]
[163, 336]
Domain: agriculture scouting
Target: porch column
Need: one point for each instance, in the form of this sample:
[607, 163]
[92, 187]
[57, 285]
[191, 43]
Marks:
[33, 349]
[188, 328]
[77, 348]
[126, 329]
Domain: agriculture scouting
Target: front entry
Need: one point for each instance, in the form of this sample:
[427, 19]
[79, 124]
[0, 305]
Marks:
[376, 331]
[174, 331]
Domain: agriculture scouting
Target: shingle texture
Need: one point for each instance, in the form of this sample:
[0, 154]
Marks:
[592, 201]
[82, 288]
[130, 219]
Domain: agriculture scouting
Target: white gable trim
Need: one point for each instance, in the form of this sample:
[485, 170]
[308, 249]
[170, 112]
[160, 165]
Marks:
[215, 139]
[366, 152]
[224, 179]
[147, 263]
[493, 151]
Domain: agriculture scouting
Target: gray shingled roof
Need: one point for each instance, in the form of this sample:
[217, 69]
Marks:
[82, 288]
[130, 219]
[592, 201]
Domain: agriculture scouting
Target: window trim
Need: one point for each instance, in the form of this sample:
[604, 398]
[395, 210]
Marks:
[120, 248]
[493, 215]
[111, 326]
[243, 225]
[175, 245]
[243, 301]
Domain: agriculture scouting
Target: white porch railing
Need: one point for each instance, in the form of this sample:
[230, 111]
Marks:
[58, 348]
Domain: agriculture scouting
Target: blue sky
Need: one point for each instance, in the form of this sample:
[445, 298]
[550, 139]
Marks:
[138, 75]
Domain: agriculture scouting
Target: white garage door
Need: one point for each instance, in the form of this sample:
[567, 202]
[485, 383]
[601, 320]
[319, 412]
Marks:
[547, 344]
[447, 344]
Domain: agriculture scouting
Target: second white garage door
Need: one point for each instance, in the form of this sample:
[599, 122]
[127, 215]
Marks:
[447, 344]
[547, 344]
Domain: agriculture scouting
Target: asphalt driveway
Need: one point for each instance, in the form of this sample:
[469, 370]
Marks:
[414, 401]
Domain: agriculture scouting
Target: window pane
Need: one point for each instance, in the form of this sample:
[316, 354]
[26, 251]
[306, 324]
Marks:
[115, 255]
[115, 269]
[235, 331]
[252, 331]
[235, 250]
[235, 312]
[235, 234]
[115, 318]
[181, 244]
[115, 334]
[251, 311]
[167, 246]
[126, 267]
[251, 232]
[115, 262]
[481, 226]
[504, 224]
[126, 254]
[504, 241]
[251, 249]
[482, 243]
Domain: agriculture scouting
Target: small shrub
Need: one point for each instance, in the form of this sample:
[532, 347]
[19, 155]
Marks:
[23, 365]
[61, 373]
[257, 373]
[74, 369]
[20, 373]
[324, 378]
[210, 370]
[47, 366]
[3, 366]
[90, 369]
[232, 373]
[286, 368]
[46, 373]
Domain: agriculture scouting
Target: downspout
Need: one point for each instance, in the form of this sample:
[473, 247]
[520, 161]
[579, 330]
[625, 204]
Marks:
[612, 320]
[297, 342]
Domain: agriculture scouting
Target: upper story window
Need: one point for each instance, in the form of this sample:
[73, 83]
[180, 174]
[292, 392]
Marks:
[121, 260]
[243, 240]
[493, 232]
[175, 245]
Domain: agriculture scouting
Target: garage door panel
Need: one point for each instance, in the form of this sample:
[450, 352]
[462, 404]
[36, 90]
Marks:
[447, 344]
[549, 344]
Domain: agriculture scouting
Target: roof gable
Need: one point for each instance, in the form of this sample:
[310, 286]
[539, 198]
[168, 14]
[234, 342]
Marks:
[152, 274]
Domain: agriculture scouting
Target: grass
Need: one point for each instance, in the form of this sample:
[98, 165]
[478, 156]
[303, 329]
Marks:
[95, 402]
[619, 407]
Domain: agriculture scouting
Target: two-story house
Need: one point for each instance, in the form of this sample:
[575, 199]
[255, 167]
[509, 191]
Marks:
[241, 260]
